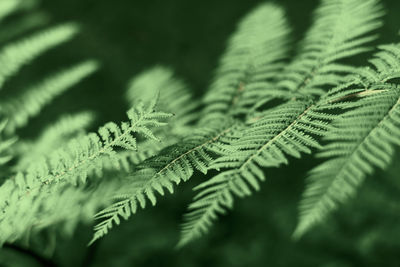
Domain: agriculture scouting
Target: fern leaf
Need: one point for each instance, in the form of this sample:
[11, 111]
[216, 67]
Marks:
[250, 62]
[363, 138]
[26, 23]
[291, 129]
[288, 130]
[19, 109]
[54, 136]
[173, 165]
[5, 144]
[55, 206]
[341, 29]
[15, 55]
[69, 164]
[8, 7]
[128, 161]
[174, 96]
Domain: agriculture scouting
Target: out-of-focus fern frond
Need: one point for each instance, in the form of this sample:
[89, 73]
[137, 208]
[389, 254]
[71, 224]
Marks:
[8, 7]
[15, 55]
[19, 109]
[250, 63]
[54, 136]
[68, 165]
[175, 96]
[5, 144]
[15, 28]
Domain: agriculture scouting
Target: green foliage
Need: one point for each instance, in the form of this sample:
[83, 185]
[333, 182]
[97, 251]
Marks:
[362, 138]
[262, 110]
[29, 104]
[252, 60]
[4, 144]
[13, 56]
[172, 165]
[64, 129]
[341, 29]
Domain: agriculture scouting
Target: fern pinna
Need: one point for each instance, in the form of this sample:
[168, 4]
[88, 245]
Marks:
[262, 109]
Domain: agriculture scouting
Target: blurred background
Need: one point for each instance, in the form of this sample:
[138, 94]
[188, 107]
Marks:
[128, 36]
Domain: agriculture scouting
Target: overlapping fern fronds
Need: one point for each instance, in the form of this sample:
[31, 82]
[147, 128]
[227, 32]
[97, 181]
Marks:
[173, 165]
[61, 131]
[341, 29]
[259, 112]
[362, 139]
[69, 164]
[174, 97]
[287, 130]
[290, 129]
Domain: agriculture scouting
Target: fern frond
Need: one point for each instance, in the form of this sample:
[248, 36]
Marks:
[251, 61]
[362, 139]
[174, 95]
[68, 164]
[128, 161]
[83, 154]
[26, 23]
[288, 130]
[8, 7]
[19, 109]
[173, 165]
[15, 55]
[54, 136]
[55, 206]
[5, 144]
[341, 29]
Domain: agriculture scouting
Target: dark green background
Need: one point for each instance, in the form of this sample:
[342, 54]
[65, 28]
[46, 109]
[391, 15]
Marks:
[127, 37]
